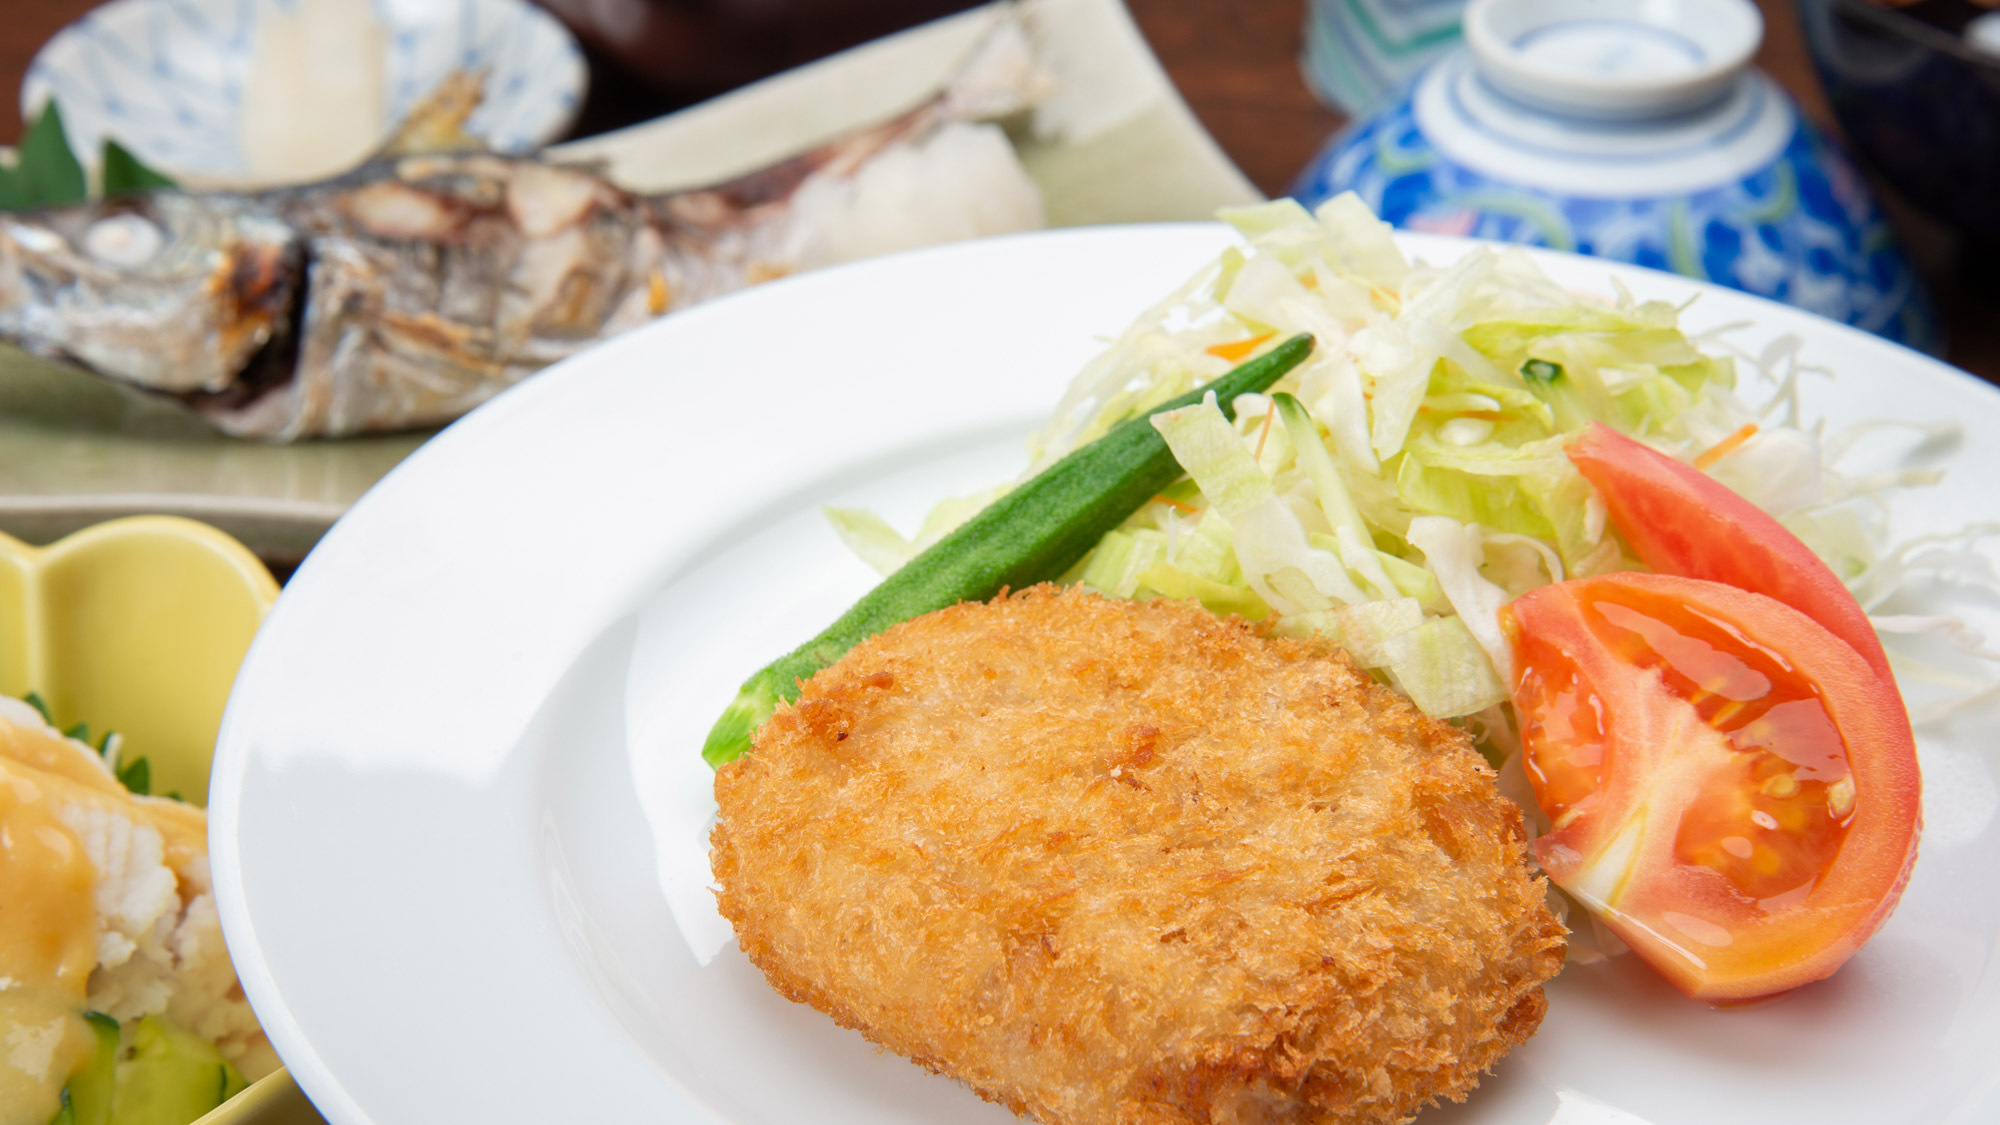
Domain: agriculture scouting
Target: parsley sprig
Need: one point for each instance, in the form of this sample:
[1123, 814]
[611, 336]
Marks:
[135, 775]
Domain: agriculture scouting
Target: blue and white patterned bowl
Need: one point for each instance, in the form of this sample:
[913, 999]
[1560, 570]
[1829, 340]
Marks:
[1358, 53]
[167, 79]
[1601, 127]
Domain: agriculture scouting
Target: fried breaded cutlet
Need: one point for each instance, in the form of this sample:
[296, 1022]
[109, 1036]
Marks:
[1130, 862]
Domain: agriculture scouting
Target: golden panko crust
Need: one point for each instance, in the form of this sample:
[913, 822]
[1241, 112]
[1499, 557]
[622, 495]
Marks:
[1130, 863]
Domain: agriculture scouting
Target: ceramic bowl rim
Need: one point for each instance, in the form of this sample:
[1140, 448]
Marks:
[1578, 95]
[1918, 33]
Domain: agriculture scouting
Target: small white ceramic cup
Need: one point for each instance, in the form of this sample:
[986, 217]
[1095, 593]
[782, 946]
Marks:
[1612, 60]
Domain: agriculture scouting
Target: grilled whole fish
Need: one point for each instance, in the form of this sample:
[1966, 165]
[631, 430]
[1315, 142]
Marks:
[407, 292]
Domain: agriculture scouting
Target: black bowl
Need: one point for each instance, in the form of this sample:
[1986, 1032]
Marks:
[1919, 105]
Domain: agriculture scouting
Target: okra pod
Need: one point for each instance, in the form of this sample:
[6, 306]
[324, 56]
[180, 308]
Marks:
[1032, 534]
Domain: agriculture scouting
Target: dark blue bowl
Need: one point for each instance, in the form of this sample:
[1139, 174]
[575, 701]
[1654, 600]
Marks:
[1919, 105]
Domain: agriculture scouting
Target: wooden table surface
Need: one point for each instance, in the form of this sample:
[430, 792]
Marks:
[1236, 62]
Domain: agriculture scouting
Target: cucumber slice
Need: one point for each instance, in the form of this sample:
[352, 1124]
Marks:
[171, 1077]
[88, 1099]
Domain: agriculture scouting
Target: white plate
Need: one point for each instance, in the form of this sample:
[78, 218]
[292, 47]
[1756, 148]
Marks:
[458, 815]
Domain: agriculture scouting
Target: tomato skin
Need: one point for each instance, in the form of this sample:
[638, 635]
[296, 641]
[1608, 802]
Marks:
[1626, 772]
[1679, 520]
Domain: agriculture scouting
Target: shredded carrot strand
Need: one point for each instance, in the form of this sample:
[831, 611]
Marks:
[1264, 433]
[1173, 503]
[1237, 349]
[1725, 447]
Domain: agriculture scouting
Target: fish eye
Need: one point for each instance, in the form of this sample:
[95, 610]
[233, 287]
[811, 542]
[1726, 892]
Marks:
[124, 241]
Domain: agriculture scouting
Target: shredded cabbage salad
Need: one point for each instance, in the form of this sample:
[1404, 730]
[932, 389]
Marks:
[1410, 478]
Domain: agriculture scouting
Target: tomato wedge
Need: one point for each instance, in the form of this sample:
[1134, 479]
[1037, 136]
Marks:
[1679, 520]
[1734, 790]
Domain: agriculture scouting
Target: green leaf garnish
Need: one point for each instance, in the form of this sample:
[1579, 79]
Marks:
[34, 699]
[49, 172]
[13, 196]
[46, 172]
[124, 173]
[137, 776]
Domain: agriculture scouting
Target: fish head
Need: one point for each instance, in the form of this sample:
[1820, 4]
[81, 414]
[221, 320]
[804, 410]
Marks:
[169, 292]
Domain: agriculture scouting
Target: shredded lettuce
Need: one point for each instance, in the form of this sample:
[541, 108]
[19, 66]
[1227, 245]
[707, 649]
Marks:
[881, 546]
[1278, 562]
[1397, 490]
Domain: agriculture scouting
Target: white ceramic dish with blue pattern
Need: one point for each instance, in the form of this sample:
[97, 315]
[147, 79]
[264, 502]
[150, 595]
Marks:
[1358, 53]
[238, 92]
[1635, 131]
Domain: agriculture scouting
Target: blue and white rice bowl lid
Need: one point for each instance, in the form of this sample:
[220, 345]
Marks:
[176, 81]
[1636, 131]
